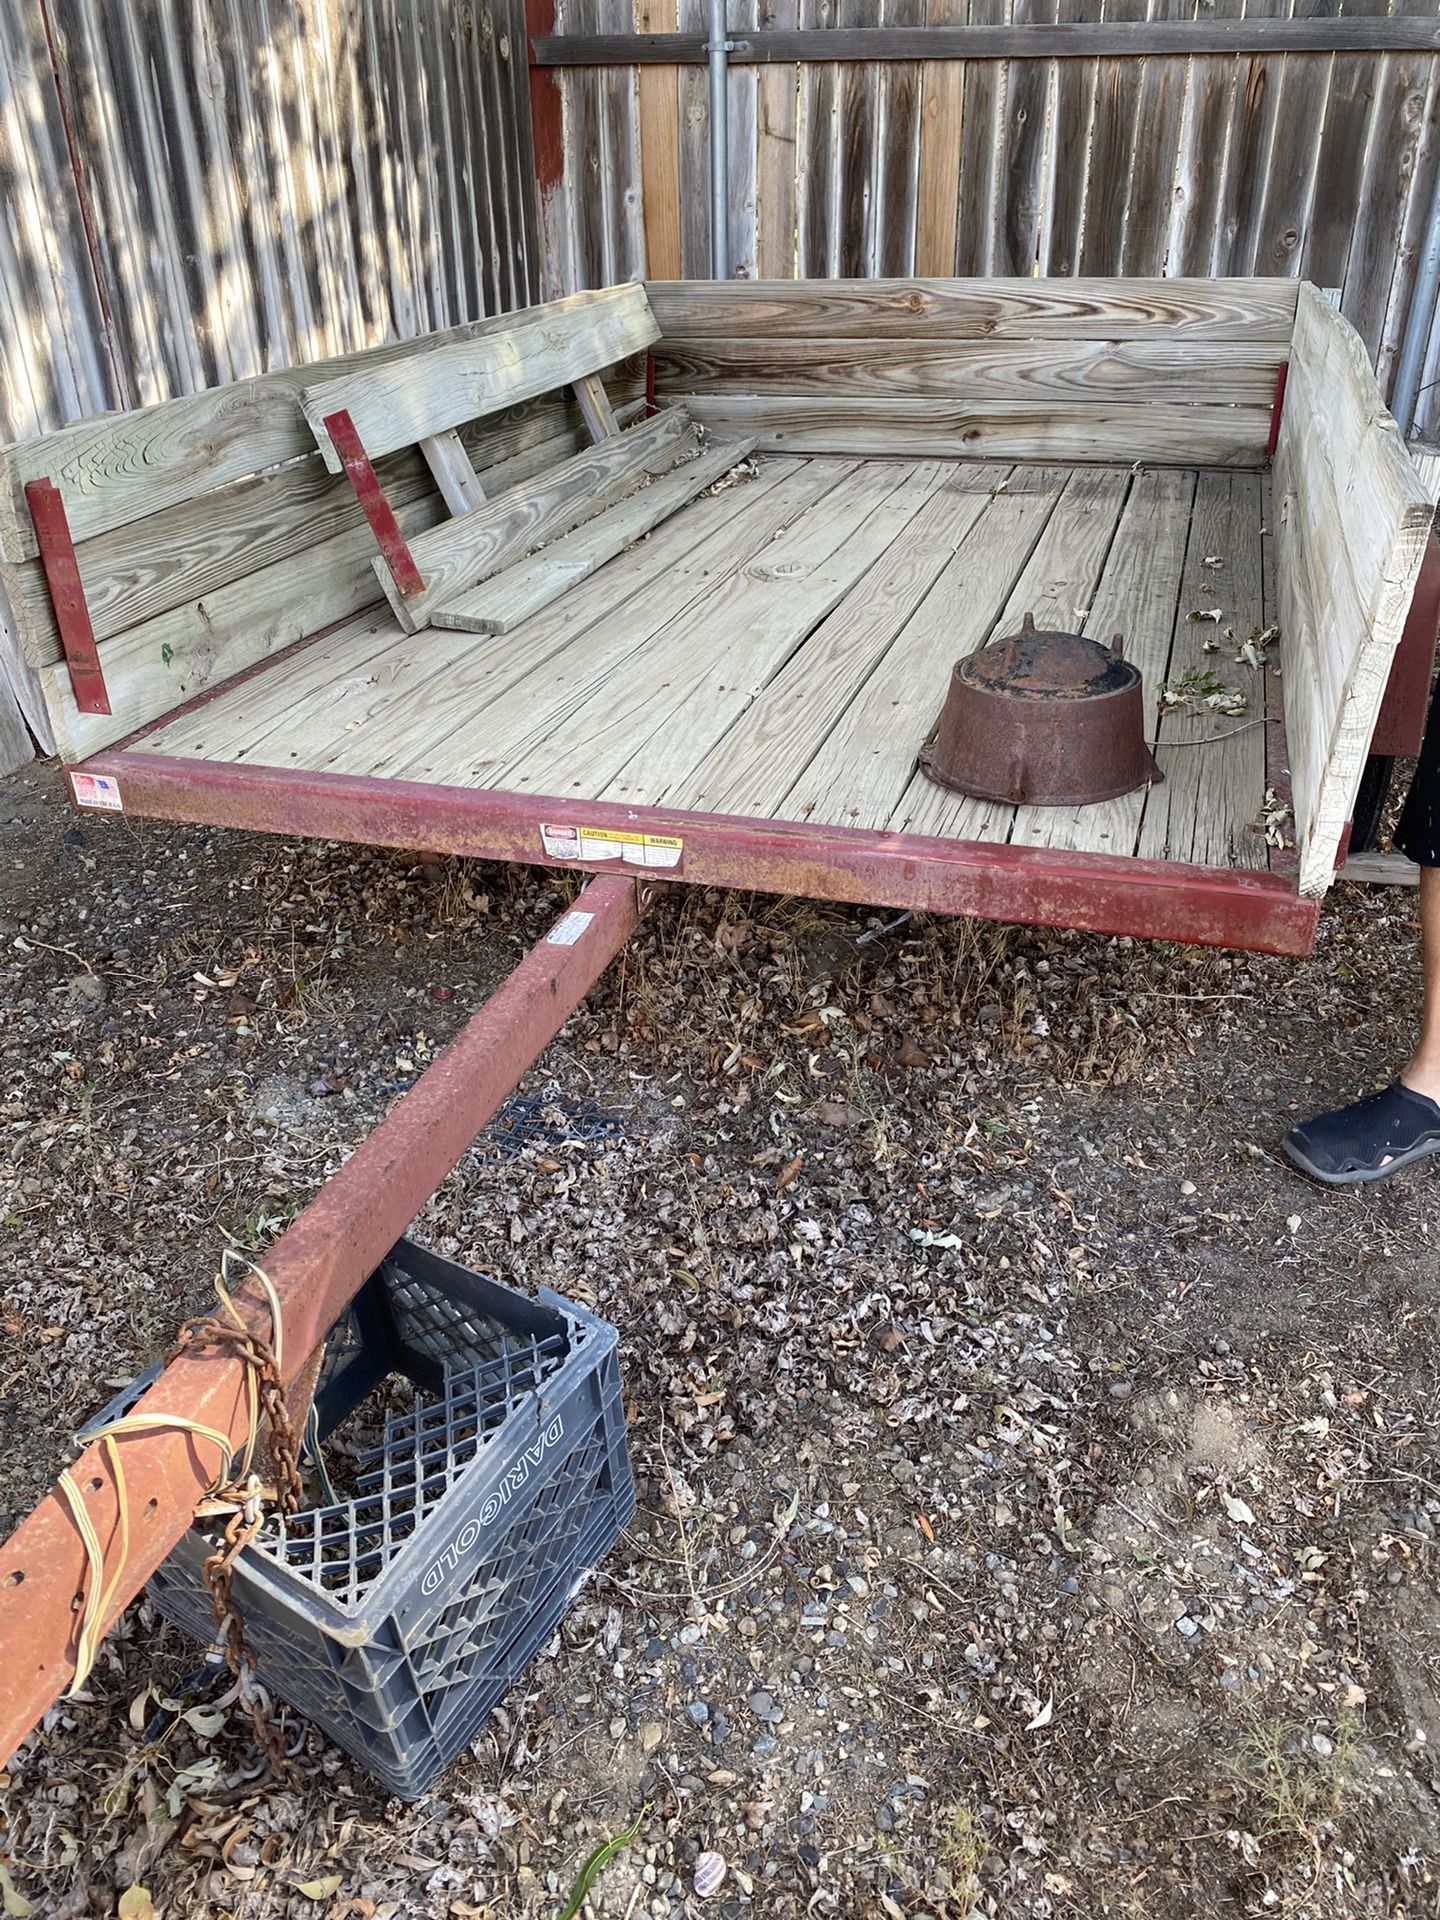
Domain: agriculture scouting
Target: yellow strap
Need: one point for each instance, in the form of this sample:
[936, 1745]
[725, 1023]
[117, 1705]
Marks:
[100, 1592]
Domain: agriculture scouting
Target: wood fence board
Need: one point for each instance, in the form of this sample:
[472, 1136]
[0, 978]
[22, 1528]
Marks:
[1074, 115]
[818, 209]
[981, 124]
[1149, 213]
[897, 152]
[1302, 103]
[1002, 430]
[1200, 165]
[694, 188]
[942, 87]
[742, 97]
[660, 149]
[1112, 147]
[776, 155]
[1252, 121]
[1027, 105]
[1338, 178]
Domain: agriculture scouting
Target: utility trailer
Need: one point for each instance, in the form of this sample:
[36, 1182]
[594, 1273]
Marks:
[491, 593]
[404, 598]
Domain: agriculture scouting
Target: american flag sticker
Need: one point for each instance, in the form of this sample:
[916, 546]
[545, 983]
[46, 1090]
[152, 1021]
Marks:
[97, 790]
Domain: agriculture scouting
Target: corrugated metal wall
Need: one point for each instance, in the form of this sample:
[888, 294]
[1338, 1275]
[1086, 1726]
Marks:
[195, 190]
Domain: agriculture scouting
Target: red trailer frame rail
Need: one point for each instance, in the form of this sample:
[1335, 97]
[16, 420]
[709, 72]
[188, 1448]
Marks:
[1036, 886]
[316, 1268]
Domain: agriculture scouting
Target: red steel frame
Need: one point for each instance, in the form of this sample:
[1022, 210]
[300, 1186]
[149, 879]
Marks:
[67, 595]
[317, 1266]
[1102, 893]
[373, 504]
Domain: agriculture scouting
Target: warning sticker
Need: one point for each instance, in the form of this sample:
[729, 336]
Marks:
[97, 790]
[652, 850]
[568, 930]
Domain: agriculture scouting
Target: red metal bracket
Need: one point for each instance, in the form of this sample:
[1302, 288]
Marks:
[67, 595]
[1277, 408]
[373, 504]
[316, 1267]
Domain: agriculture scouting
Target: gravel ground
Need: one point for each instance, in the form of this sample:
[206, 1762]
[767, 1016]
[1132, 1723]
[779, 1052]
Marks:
[1038, 1485]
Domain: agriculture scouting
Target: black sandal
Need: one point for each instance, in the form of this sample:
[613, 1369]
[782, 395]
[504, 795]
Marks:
[1369, 1140]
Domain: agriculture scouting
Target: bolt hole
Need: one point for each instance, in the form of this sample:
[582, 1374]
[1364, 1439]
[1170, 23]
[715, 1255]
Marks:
[151, 1504]
[96, 1483]
[15, 1579]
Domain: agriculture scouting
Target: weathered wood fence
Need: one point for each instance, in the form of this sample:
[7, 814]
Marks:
[194, 191]
[1053, 137]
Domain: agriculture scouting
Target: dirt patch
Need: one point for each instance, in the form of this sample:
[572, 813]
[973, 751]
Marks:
[1038, 1483]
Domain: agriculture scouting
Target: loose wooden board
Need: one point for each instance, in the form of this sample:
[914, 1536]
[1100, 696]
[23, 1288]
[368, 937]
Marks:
[442, 386]
[501, 603]
[1242, 311]
[998, 430]
[121, 467]
[457, 554]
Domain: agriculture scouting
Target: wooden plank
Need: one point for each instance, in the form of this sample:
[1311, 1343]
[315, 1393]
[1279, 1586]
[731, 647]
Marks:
[776, 155]
[1301, 108]
[942, 88]
[867, 761]
[1112, 146]
[981, 121]
[694, 116]
[1199, 180]
[179, 556]
[644, 736]
[122, 467]
[1252, 116]
[856, 180]
[495, 746]
[1114, 38]
[1380, 870]
[458, 554]
[1131, 372]
[1021, 180]
[1159, 435]
[449, 463]
[756, 762]
[1137, 596]
[1419, 190]
[1207, 811]
[160, 663]
[442, 386]
[1074, 115]
[17, 671]
[817, 213]
[1353, 522]
[17, 749]
[1149, 214]
[595, 408]
[660, 149]
[897, 151]
[1057, 581]
[501, 603]
[375, 724]
[1239, 311]
[741, 91]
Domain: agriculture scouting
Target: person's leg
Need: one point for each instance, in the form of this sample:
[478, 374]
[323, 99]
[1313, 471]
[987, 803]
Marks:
[1422, 1073]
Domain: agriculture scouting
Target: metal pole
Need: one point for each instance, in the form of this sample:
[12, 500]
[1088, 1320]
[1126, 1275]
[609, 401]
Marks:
[1405, 394]
[718, 48]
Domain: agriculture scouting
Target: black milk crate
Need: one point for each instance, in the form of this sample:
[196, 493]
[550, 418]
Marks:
[396, 1619]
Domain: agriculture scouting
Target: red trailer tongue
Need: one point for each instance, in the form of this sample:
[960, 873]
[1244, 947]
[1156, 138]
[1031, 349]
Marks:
[1042, 719]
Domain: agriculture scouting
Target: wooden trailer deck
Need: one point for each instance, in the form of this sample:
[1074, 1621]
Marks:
[600, 647]
[776, 649]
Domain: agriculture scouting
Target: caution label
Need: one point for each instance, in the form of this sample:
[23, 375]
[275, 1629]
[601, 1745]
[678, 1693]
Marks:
[97, 790]
[649, 850]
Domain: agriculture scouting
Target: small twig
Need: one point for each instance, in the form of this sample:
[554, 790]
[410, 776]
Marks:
[28, 940]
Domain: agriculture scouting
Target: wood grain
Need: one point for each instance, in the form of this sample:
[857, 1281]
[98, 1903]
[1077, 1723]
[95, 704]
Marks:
[1239, 311]
[776, 155]
[1353, 520]
[439, 386]
[457, 554]
[942, 88]
[501, 603]
[660, 149]
[1131, 372]
[1158, 434]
